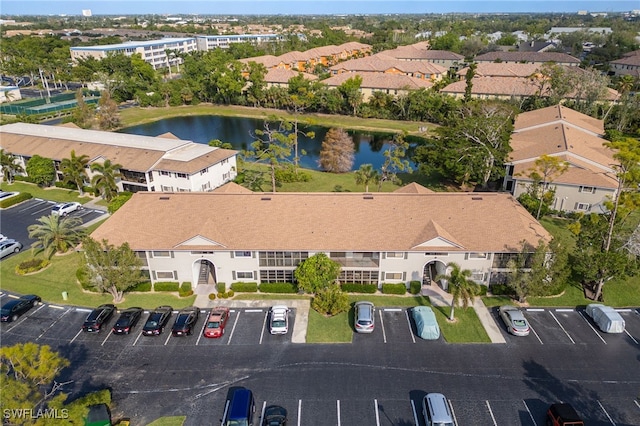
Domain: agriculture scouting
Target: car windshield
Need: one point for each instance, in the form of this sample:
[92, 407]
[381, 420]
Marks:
[278, 323]
[152, 323]
[4, 311]
[182, 319]
[519, 323]
[213, 324]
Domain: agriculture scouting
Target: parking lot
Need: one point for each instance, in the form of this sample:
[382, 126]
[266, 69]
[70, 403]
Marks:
[247, 331]
[16, 219]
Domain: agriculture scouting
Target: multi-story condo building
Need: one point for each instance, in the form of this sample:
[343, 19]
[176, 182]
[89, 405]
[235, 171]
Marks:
[209, 42]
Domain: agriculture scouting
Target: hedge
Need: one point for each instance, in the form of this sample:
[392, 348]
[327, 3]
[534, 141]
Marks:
[244, 287]
[82, 275]
[399, 288]
[278, 288]
[31, 265]
[415, 287]
[142, 286]
[359, 288]
[166, 286]
[221, 287]
[185, 289]
[23, 196]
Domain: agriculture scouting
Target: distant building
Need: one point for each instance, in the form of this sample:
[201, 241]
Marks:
[210, 42]
[529, 57]
[629, 64]
[391, 84]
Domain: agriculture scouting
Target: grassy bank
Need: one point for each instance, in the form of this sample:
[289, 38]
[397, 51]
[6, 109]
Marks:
[134, 116]
[52, 193]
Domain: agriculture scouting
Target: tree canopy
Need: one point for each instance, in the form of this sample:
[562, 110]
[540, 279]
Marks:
[316, 273]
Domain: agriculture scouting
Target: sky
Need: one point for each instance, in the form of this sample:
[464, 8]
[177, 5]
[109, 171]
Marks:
[298, 7]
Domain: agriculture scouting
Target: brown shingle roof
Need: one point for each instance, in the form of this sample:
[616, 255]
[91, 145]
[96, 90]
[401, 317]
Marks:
[578, 173]
[380, 81]
[413, 188]
[420, 52]
[558, 114]
[382, 63]
[537, 57]
[500, 69]
[281, 75]
[487, 222]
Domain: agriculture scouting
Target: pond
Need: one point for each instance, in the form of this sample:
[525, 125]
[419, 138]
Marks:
[240, 133]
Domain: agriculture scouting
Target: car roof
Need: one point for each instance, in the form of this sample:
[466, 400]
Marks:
[566, 411]
[279, 309]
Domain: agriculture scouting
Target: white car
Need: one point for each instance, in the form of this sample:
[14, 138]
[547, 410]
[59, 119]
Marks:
[279, 319]
[64, 209]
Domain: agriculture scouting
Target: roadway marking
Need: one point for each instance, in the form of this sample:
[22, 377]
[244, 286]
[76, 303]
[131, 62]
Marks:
[406, 314]
[23, 318]
[384, 334]
[168, 337]
[202, 330]
[105, 339]
[453, 413]
[631, 337]
[53, 323]
[264, 405]
[338, 410]
[264, 325]
[529, 411]
[535, 310]
[491, 413]
[606, 414]
[83, 310]
[299, 411]
[375, 406]
[415, 415]
[591, 327]
[637, 403]
[392, 309]
[76, 336]
[253, 310]
[565, 331]
[56, 307]
[234, 327]
[536, 334]
[137, 338]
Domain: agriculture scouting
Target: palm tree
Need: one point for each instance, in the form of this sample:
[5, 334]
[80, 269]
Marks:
[365, 175]
[105, 181]
[56, 234]
[74, 170]
[460, 286]
[9, 166]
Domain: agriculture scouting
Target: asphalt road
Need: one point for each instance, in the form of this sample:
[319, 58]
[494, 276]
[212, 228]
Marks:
[378, 379]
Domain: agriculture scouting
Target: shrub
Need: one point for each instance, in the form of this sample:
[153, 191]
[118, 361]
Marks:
[185, 289]
[330, 301]
[399, 288]
[212, 296]
[230, 293]
[20, 178]
[289, 174]
[502, 290]
[359, 288]
[166, 286]
[244, 287]
[31, 265]
[118, 201]
[278, 288]
[221, 287]
[23, 196]
[141, 286]
[482, 290]
[65, 185]
[82, 275]
[415, 287]
[223, 295]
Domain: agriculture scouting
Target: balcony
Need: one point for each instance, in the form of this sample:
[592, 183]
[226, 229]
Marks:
[356, 260]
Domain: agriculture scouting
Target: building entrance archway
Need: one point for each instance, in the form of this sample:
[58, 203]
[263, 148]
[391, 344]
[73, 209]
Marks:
[431, 270]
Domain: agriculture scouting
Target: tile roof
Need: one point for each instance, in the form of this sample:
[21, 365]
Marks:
[281, 75]
[380, 81]
[538, 57]
[483, 222]
[420, 52]
[558, 114]
[500, 69]
[382, 63]
[579, 173]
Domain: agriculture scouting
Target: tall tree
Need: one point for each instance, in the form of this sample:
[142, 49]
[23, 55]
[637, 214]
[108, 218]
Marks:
[351, 93]
[366, 175]
[111, 269]
[546, 169]
[316, 273]
[461, 287]
[41, 170]
[272, 146]
[337, 151]
[56, 234]
[108, 115]
[82, 115]
[471, 72]
[394, 161]
[74, 170]
[10, 166]
[105, 181]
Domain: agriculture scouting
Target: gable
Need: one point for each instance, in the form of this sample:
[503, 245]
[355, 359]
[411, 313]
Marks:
[438, 242]
[199, 240]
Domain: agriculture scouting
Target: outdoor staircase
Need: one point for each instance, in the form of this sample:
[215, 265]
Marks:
[203, 278]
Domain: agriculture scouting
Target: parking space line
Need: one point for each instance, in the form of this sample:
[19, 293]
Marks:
[606, 414]
[299, 411]
[535, 310]
[631, 337]
[392, 309]
[415, 415]
[53, 323]
[264, 325]
[17, 323]
[76, 336]
[56, 307]
[264, 405]
[375, 407]
[565, 331]
[529, 411]
[453, 413]
[406, 314]
[253, 310]
[637, 403]
[491, 414]
[137, 338]
[13, 296]
[83, 310]
[202, 330]
[536, 334]
[234, 327]
[591, 327]
[168, 337]
[338, 410]
[105, 338]
[384, 334]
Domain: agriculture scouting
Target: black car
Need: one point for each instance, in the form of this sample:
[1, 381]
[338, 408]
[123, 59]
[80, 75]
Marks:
[127, 320]
[185, 321]
[11, 310]
[158, 318]
[274, 415]
[98, 317]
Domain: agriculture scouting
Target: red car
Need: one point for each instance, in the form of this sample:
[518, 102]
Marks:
[216, 322]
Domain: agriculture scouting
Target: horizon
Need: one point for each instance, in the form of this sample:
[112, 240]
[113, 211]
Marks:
[306, 7]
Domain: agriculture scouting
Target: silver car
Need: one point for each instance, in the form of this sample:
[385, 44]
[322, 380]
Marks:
[9, 246]
[515, 321]
[364, 318]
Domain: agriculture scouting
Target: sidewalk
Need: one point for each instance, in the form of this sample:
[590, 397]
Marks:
[93, 206]
[439, 297]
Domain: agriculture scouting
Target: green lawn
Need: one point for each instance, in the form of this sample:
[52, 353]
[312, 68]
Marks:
[169, 421]
[55, 194]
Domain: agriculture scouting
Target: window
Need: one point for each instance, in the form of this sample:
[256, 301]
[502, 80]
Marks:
[477, 276]
[164, 188]
[203, 171]
[477, 256]
[588, 189]
[395, 255]
[161, 254]
[435, 253]
[241, 254]
[166, 275]
[358, 277]
[393, 275]
[282, 258]
[142, 256]
[163, 173]
[199, 252]
[276, 276]
[244, 275]
[583, 206]
[182, 175]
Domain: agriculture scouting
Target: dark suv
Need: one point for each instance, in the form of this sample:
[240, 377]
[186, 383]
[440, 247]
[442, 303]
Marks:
[98, 317]
[563, 415]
